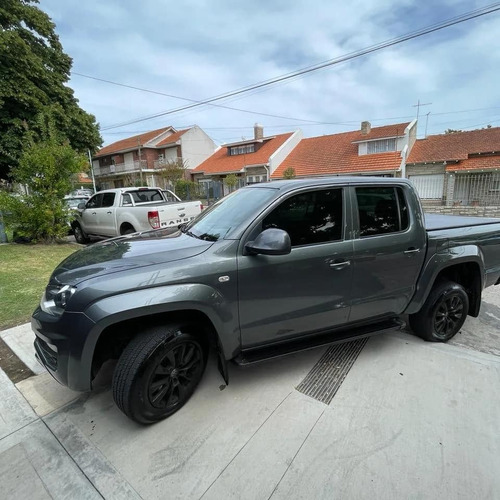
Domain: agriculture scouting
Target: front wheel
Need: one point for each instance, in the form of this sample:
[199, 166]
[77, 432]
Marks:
[443, 313]
[80, 235]
[157, 373]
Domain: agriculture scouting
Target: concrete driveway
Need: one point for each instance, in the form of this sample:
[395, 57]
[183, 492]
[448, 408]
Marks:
[410, 420]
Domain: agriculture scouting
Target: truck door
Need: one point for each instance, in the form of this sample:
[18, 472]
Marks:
[106, 220]
[309, 289]
[89, 215]
[389, 249]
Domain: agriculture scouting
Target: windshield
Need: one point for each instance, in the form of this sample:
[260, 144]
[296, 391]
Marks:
[228, 213]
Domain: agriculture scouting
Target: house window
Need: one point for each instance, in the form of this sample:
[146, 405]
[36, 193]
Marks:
[382, 146]
[241, 150]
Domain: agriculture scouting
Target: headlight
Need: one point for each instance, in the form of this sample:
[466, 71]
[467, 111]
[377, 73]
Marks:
[56, 298]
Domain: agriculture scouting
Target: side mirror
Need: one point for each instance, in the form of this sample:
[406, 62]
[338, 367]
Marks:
[270, 242]
[81, 206]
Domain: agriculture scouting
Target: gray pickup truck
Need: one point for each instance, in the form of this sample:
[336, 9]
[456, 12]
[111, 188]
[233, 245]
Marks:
[269, 270]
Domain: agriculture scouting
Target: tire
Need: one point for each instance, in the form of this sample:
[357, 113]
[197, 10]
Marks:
[157, 373]
[443, 313]
[80, 235]
[129, 230]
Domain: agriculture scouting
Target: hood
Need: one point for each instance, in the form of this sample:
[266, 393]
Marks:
[128, 252]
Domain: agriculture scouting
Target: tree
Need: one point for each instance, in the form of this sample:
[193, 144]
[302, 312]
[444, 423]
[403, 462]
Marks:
[173, 171]
[33, 73]
[230, 181]
[289, 173]
[45, 168]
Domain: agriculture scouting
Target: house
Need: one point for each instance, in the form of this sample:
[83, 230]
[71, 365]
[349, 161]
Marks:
[457, 169]
[370, 150]
[251, 161]
[140, 158]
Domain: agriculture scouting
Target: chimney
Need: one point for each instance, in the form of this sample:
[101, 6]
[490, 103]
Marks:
[258, 131]
[365, 128]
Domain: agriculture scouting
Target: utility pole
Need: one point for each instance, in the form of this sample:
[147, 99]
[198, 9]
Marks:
[91, 169]
[420, 104]
[140, 158]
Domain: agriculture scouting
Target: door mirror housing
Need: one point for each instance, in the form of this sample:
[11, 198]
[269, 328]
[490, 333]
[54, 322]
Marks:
[271, 241]
[81, 206]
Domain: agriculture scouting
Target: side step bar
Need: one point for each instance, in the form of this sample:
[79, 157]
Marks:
[257, 355]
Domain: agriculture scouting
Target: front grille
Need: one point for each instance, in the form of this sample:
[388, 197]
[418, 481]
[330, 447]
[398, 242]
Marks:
[47, 355]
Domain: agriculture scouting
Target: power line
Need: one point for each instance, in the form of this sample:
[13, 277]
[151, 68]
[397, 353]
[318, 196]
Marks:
[373, 48]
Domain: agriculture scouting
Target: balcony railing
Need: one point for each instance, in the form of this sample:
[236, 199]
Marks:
[166, 162]
[121, 168]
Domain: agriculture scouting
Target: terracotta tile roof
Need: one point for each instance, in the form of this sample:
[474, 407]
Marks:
[456, 146]
[221, 162]
[395, 130]
[476, 163]
[130, 142]
[171, 139]
[336, 154]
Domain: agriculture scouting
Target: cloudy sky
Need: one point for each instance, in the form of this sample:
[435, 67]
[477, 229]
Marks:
[195, 49]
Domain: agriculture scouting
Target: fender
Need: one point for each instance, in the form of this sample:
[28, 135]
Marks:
[439, 261]
[170, 298]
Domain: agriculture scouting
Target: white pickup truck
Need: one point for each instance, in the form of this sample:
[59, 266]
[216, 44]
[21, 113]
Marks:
[114, 212]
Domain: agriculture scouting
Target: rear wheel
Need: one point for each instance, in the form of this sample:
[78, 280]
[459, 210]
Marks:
[80, 235]
[128, 230]
[443, 313]
[157, 373]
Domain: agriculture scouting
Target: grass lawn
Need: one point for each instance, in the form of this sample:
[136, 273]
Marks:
[24, 273]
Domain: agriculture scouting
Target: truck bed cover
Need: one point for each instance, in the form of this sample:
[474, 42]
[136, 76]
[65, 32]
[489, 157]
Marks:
[434, 222]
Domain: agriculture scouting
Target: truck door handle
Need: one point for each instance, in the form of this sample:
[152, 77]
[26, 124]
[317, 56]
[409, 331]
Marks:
[339, 265]
[109, 212]
[94, 213]
[412, 250]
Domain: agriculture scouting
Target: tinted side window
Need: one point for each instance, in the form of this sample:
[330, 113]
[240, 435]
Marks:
[95, 201]
[108, 199]
[126, 199]
[313, 217]
[381, 210]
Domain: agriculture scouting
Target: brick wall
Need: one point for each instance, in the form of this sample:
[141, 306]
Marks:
[471, 211]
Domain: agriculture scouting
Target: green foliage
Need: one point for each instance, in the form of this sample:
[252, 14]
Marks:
[230, 181]
[173, 171]
[289, 173]
[46, 170]
[187, 190]
[34, 71]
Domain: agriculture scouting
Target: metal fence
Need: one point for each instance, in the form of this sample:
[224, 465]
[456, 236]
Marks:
[476, 190]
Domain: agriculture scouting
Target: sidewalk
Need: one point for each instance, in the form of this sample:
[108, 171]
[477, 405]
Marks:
[411, 419]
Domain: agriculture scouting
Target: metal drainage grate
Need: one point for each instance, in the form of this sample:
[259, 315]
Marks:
[327, 375]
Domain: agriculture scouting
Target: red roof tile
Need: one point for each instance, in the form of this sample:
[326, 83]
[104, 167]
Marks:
[395, 130]
[336, 154]
[456, 146]
[476, 163]
[221, 162]
[171, 139]
[130, 142]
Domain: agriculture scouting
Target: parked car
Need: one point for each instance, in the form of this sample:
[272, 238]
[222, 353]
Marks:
[269, 270]
[115, 212]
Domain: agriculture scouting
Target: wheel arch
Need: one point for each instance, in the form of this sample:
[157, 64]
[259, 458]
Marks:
[463, 265]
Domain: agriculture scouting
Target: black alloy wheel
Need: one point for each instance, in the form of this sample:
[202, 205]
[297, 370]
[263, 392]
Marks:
[448, 316]
[158, 372]
[174, 375]
[79, 234]
[443, 313]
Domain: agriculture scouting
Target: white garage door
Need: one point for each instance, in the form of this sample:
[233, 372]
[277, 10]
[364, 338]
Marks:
[429, 187]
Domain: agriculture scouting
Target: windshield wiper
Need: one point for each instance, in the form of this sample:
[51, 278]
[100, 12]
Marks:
[208, 237]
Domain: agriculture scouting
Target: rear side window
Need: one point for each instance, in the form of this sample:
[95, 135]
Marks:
[108, 199]
[313, 217]
[381, 210]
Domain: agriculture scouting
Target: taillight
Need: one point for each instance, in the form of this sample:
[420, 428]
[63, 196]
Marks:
[201, 207]
[154, 219]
